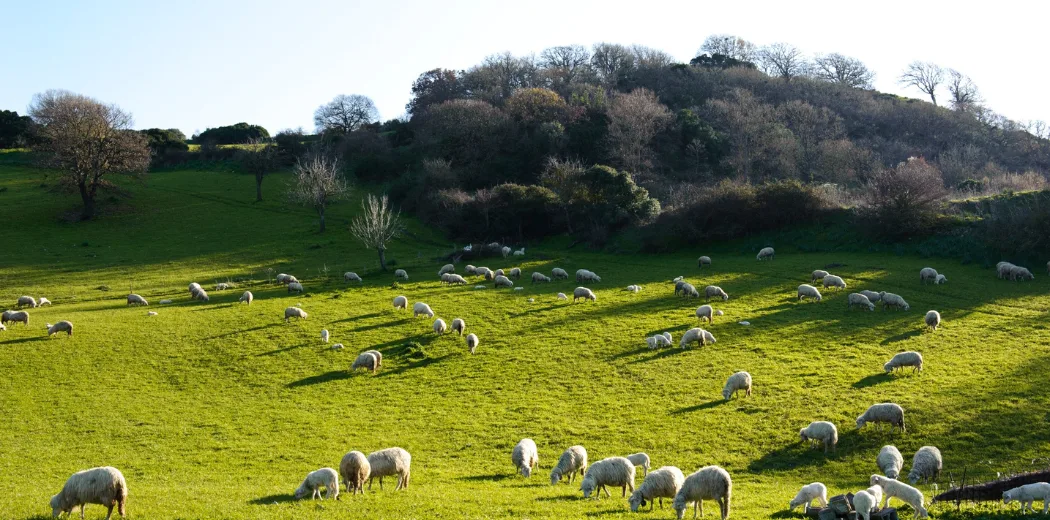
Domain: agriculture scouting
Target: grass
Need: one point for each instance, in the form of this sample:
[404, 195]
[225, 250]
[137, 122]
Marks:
[218, 410]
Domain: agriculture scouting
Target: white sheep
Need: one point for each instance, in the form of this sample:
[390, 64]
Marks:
[927, 274]
[447, 268]
[525, 457]
[866, 501]
[810, 492]
[26, 301]
[165, 302]
[658, 485]
[484, 272]
[808, 291]
[668, 336]
[896, 489]
[940, 279]
[515, 272]
[295, 287]
[613, 471]
[469, 269]
[872, 296]
[1020, 273]
[294, 312]
[247, 297]
[201, 294]
[817, 275]
[520, 252]
[378, 355]
[904, 359]
[736, 382]
[677, 279]
[926, 465]
[708, 483]
[455, 279]
[882, 413]
[401, 274]
[338, 346]
[105, 486]
[702, 261]
[62, 326]
[502, 281]
[440, 326]
[834, 281]
[223, 286]
[472, 342]
[354, 469]
[701, 336]
[1002, 269]
[15, 316]
[634, 288]
[766, 252]
[499, 272]
[893, 300]
[389, 462]
[400, 302]
[351, 276]
[459, 326]
[43, 301]
[561, 296]
[540, 277]
[505, 250]
[1027, 494]
[558, 273]
[585, 293]
[714, 290]
[705, 311]
[327, 478]
[822, 431]
[283, 278]
[657, 341]
[932, 320]
[890, 461]
[859, 300]
[324, 335]
[367, 361]
[572, 461]
[583, 275]
[134, 299]
[422, 309]
[686, 289]
[640, 460]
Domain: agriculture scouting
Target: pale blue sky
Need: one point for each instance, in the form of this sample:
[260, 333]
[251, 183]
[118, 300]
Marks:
[193, 65]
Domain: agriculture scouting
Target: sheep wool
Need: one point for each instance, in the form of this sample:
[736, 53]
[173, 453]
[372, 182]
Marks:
[559, 273]
[247, 297]
[540, 277]
[514, 272]
[456, 280]
[686, 289]
[447, 268]
[561, 296]
[378, 355]
[324, 335]
[62, 326]
[640, 460]
[822, 431]
[572, 461]
[351, 276]
[808, 291]
[502, 281]
[134, 299]
[932, 320]
[766, 252]
[459, 326]
[700, 336]
[440, 326]
[928, 274]
[926, 465]
[702, 261]
[15, 316]
[354, 469]
[872, 296]
[585, 293]
[613, 471]
[295, 287]
[525, 456]
[810, 492]
[883, 413]
[472, 342]
[506, 251]
[520, 252]
[401, 274]
[43, 301]
[736, 382]
[104, 486]
[422, 309]
[896, 489]
[315, 480]
[890, 461]
[29, 301]
[294, 312]
[893, 300]
[864, 502]
[705, 312]
[940, 279]
[390, 462]
[400, 302]
[834, 281]
[817, 275]
[859, 300]
[658, 485]
[1027, 494]
[1020, 273]
[904, 359]
[499, 272]
[367, 361]
[634, 288]
[708, 483]
[714, 290]
[583, 275]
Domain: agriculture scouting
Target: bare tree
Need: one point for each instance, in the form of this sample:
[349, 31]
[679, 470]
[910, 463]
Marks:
[259, 157]
[377, 225]
[499, 75]
[609, 60]
[964, 94]
[783, 60]
[731, 46]
[563, 178]
[924, 76]
[566, 64]
[345, 113]
[318, 182]
[87, 140]
[634, 120]
[836, 68]
[648, 57]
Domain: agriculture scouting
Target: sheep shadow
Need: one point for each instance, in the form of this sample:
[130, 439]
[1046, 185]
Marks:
[696, 408]
[422, 363]
[872, 380]
[606, 512]
[665, 352]
[627, 353]
[242, 331]
[786, 514]
[327, 377]
[272, 499]
[496, 477]
[561, 498]
[373, 327]
[901, 337]
[24, 340]
[281, 350]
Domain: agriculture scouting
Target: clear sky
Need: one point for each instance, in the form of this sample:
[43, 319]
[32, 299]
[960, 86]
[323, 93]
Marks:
[193, 65]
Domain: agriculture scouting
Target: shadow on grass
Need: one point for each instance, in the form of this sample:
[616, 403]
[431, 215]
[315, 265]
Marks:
[272, 499]
[327, 377]
[798, 454]
[242, 331]
[487, 478]
[280, 350]
[24, 340]
[414, 365]
[698, 407]
[628, 353]
[787, 514]
[563, 498]
[873, 380]
[901, 337]
[373, 327]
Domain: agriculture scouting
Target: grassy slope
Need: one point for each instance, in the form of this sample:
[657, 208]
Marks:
[218, 410]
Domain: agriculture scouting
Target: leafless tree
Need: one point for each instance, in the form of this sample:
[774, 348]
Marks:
[650, 58]
[634, 120]
[566, 65]
[836, 68]
[783, 60]
[729, 45]
[563, 178]
[259, 157]
[964, 94]
[609, 60]
[345, 113]
[377, 225]
[87, 140]
[499, 75]
[924, 76]
[318, 182]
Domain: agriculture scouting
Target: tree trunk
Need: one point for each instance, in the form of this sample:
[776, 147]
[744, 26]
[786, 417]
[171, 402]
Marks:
[320, 211]
[258, 187]
[382, 258]
[89, 202]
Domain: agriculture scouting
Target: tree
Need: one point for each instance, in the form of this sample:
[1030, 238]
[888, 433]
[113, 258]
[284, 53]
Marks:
[904, 201]
[566, 65]
[836, 68]
[259, 158]
[376, 226]
[14, 129]
[165, 141]
[609, 61]
[87, 140]
[650, 58]
[634, 120]
[783, 60]
[730, 46]
[719, 61]
[344, 114]
[499, 75]
[433, 88]
[239, 133]
[924, 76]
[964, 94]
[534, 106]
[318, 182]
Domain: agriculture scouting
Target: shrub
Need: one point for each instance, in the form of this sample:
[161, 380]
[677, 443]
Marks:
[905, 201]
[232, 134]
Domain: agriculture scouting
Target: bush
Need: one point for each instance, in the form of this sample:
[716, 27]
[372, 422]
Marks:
[290, 146]
[505, 212]
[904, 202]
[233, 134]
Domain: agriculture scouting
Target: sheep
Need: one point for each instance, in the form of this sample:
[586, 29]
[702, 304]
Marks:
[1002, 269]
[573, 460]
[766, 252]
[584, 275]
[505, 251]
[640, 460]
[658, 485]
[485, 273]
[440, 326]
[15, 316]
[817, 275]
[134, 299]
[1020, 273]
[447, 268]
[926, 465]
[897, 489]
[472, 342]
[634, 288]
[388, 462]
[294, 312]
[668, 336]
[499, 272]
[894, 300]
[493, 245]
[378, 355]
[613, 471]
[890, 461]
[867, 500]
[43, 301]
[367, 361]
[927, 274]
[469, 269]
[820, 431]
[525, 457]
[520, 252]
[1027, 494]
[315, 480]
[354, 469]
[736, 382]
[458, 325]
[324, 335]
[698, 335]
[515, 272]
[196, 286]
[295, 287]
[714, 290]
[285, 278]
[686, 289]
[540, 277]
[872, 296]
[400, 302]
[519, 288]
[62, 326]
[932, 320]
[585, 293]
[401, 274]
[904, 359]
[165, 302]
[808, 291]
[502, 281]
[223, 286]
[834, 281]
[422, 309]
[26, 300]
[858, 299]
[561, 296]
[105, 486]
[201, 294]
[810, 492]
[677, 279]
[705, 311]
[702, 261]
[351, 276]
[559, 273]
[883, 412]
[247, 297]
[455, 279]
[151, 313]
[708, 483]
[657, 341]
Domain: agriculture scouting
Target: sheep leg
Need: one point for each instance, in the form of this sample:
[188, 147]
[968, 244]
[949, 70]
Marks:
[1046, 505]
[623, 494]
[607, 493]
[82, 506]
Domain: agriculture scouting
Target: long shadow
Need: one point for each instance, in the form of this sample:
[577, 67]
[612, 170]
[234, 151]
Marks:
[272, 499]
[786, 514]
[800, 453]
[487, 478]
[327, 377]
[280, 350]
[662, 353]
[242, 331]
[628, 353]
[373, 327]
[24, 340]
[414, 365]
[562, 498]
[362, 317]
[698, 407]
[873, 380]
[901, 337]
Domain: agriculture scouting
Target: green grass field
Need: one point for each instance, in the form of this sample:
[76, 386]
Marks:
[217, 410]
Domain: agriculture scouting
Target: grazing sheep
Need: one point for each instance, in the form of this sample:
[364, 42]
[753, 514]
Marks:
[858, 299]
[766, 252]
[401, 274]
[499, 272]
[223, 286]
[447, 268]
[62, 326]
[940, 279]
[640, 460]
[472, 342]
[502, 281]
[1027, 494]
[285, 278]
[351, 276]
[897, 489]
[505, 250]
[354, 469]
[540, 277]
[367, 361]
[634, 288]
[469, 269]
[904, 359]
[822, 431]
[702, 261]
[247, 297]
[295, 287]
[584, 275]
[525, 457]
[324, 335]
[714, 290]
[455, 279]
[613, 471]
[202, 295]
[736, 382]
[440, 327]
[485, 273]
[927, 274]
[1002, 269]
[677, 279]
[705, 311]
[817, 275]
[458, 325]
[561, 296]
[834, 281]
[893, 300]
[514, 272]
[573, 460]
[378, 355]
[3, 327]
[883, 413]
[668, 336]
[1020, 273]
[315, 480]
[422, 309]
[867, 500]
[15, 316]
[134, 299]
[657, 341]
[708, 483]
[810, 492]
[389, 462]
[400, 302]
[701, 336]
[719, 313]
[585, 293]
[872, 296]
[520, 252]
[890, 461]
[165, 302]
[26, 301]
[686, 289]
[808, 291]
[558, 273]
[933, 320]
[926, 465]
[43, 301]
[105, 486]
[294, 312]
[658, 485]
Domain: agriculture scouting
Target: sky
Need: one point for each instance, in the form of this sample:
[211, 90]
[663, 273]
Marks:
[194, 65]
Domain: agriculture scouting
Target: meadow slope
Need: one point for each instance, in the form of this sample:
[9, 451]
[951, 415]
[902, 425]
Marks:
[217, 410]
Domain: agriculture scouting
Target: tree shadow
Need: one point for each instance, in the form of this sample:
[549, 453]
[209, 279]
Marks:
[800, 453]
[698, 407]
[872, 380]
[327, 377]
[242, 331]
[628, 353]
[280, 350]
[414, 365]
[901, 337]
[272, 499]
[562, 498]
[487, 478]
[373, 327]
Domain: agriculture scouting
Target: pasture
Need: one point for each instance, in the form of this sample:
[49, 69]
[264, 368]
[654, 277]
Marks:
[218, 410]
